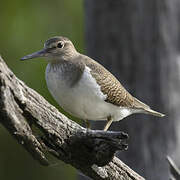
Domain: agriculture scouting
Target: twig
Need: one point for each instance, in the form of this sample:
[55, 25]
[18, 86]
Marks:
[175, 172]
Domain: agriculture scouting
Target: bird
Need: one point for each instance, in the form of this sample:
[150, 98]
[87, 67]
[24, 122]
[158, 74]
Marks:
[83, 87]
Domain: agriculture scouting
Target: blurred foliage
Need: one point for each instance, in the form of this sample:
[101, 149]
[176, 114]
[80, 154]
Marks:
[25, 25]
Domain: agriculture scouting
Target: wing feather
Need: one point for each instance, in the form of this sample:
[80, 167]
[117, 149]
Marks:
[110, 86]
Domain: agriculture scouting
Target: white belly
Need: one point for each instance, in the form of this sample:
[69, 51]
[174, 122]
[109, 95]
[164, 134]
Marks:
[85, 99]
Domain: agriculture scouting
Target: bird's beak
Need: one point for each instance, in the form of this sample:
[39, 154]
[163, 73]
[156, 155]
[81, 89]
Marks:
[41, 53]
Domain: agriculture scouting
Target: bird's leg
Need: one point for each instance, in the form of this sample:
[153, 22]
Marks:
[109, 121]
[88, 125]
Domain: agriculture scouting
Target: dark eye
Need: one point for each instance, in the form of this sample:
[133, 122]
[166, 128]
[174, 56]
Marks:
[60, 45]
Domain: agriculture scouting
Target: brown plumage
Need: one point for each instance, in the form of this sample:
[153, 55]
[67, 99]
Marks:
[116, 93]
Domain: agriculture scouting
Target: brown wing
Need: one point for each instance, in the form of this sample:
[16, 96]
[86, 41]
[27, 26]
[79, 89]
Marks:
[116, 93]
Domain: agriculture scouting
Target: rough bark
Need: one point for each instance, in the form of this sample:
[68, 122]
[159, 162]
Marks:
[40, 128]
[137, 41]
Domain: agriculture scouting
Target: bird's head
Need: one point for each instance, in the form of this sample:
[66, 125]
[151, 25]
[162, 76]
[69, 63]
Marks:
[55, 49]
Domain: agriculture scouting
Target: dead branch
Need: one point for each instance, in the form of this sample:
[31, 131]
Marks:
[174, 170]
[90, 151]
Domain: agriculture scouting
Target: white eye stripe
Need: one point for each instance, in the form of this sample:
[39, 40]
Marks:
[60, 44]
[55, 44]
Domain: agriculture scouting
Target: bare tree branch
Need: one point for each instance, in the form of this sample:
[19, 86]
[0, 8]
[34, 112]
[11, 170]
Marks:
[175, 172]
[90, 151]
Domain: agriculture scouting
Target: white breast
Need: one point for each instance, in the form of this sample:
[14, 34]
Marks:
[85, 99]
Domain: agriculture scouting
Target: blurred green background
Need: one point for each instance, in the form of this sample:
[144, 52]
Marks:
[25, 25]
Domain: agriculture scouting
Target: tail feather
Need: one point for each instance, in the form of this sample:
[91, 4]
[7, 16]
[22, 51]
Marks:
[147, 109]
[154, 113]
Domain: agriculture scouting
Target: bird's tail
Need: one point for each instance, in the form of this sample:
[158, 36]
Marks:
[146, 109]
[154, 113]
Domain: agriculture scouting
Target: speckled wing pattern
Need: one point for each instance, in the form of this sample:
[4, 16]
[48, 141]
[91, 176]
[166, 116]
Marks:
[116, 93]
